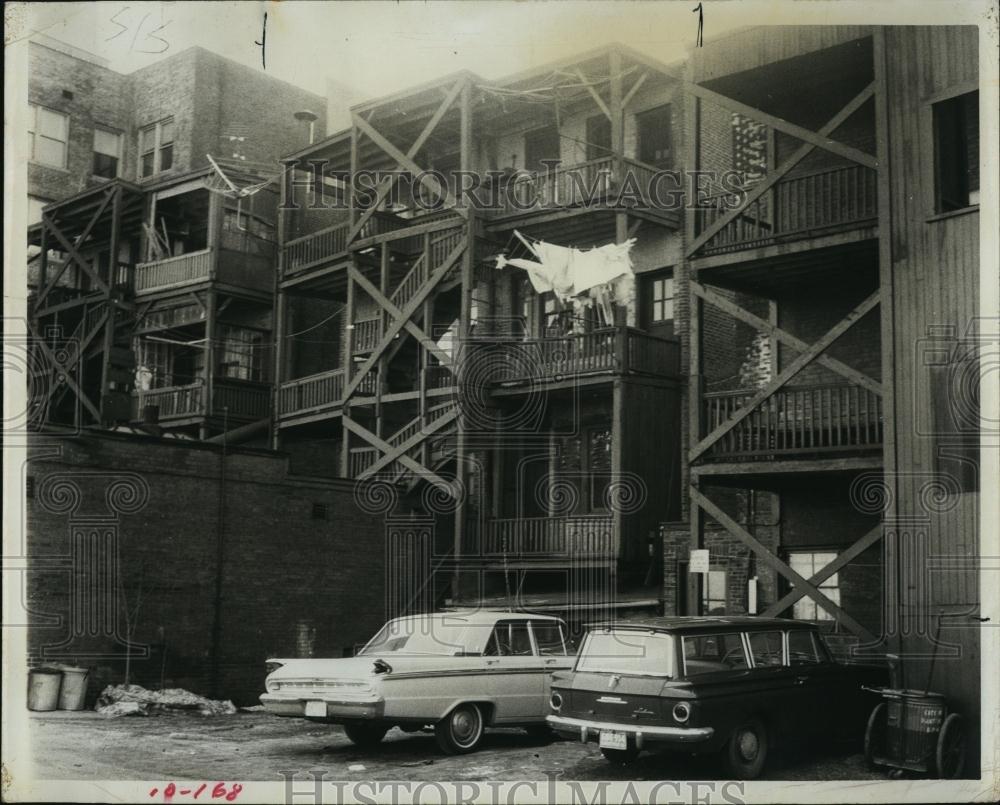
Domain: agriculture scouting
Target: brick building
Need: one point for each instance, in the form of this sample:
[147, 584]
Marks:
[166, 555]
[151, 276]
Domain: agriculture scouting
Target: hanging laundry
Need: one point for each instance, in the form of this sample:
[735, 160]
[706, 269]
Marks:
[602, 276]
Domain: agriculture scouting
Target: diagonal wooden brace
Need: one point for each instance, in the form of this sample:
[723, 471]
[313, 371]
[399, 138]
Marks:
[773, 178]
[776, 564]
[785, 337]
[842, 559]
[796, 366]
[411, 464]
[409, 444]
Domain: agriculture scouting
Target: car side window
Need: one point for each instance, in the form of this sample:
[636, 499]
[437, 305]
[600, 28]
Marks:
[766, 649]
[549, 637]
[705, 654]
[509, 639]
[802, 649]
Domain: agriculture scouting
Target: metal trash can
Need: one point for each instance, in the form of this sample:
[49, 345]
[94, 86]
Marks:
[43, 688]
[913, 722]
[74, 688]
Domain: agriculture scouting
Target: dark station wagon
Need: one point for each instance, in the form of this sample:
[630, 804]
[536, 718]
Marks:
[732, 685]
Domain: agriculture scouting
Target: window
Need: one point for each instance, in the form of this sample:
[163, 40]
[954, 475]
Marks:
[802, 649]
[956, 157]
[714, 652]
[107, 153]
[807, 565]
[240, 356]
[48, 133]
[628, 652]
[540, 146]
[598, 137]
[765, 647]
[713, 593]
[156, 148]
[549, 637]
[955, 411]
[662, 300]
[655, 146]
[509, 639]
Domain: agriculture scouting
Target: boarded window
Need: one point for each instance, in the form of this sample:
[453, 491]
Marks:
[956, 152]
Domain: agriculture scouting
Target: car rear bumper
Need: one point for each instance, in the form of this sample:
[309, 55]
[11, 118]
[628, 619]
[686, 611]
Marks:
[294, 705]
[584, 729]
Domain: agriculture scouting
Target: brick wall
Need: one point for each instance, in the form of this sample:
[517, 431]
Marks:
[292, 585]
[99, 97]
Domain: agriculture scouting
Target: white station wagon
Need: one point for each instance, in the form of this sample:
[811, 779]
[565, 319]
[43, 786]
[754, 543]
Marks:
[456, 671]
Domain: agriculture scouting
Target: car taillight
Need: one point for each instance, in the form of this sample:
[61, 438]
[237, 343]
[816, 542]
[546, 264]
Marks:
[682, 712]
[555, 700]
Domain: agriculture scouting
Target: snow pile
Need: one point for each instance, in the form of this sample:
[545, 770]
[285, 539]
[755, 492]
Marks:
[125, 700]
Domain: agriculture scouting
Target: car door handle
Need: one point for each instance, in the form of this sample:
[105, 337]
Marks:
[492, 662]
[552, 661]
[801, 680]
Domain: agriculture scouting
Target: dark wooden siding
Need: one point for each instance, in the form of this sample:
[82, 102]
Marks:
[935, 277]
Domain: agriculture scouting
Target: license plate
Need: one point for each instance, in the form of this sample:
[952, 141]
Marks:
[316, 709]
[613, 740]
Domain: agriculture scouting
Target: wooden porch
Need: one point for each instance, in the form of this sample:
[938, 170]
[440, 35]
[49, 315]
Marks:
[796, 420]
[838, 200]
[533, 538]
[604, 351]
[237, 400]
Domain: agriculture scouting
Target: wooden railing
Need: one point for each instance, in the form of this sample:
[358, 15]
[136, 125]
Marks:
[367, 332]
[243, 399]
[317, 391]
[797, 419]
[605, 350]
[799, 206]
[173, 401]
[585, 535]
[185, 268]
[361, 458]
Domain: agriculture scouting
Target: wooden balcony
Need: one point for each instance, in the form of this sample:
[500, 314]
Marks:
[605, 351]
[799, 208]
[594, 184]
[589, 536]
[174, 402]
[796, 420]
[244, 399]
[173, 272]
[316, 392]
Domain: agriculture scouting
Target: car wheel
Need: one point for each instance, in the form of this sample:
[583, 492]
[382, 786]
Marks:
[460, 731]
[950, 755]
[367, 735]
[621, 757]
[745, 752]
[875, 735]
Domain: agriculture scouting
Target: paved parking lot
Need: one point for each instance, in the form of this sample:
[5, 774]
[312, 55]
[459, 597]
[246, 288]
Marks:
[257, 746]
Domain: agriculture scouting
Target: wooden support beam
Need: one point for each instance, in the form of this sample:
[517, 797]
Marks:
[388, 307]
[785, 337]
[844, 558]
[772, 561]
[790, 371]
[635, 88]
[782, 125]
[411, 464]
[407, 312]
[594, 94]
[420, 436]
[779, 173]
[67, 376]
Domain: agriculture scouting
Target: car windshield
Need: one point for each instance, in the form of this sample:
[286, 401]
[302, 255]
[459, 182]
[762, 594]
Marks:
[435, 636]
[628, 652]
